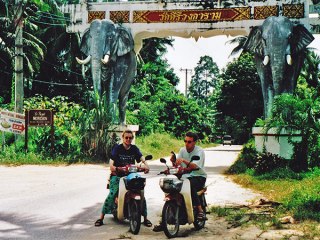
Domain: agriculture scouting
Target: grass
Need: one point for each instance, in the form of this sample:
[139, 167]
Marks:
[160, 145]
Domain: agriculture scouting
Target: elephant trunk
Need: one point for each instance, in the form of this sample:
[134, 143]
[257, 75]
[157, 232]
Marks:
[278, 62]
[96, 75]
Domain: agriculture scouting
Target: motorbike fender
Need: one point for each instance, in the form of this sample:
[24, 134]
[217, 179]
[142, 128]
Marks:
[133, 195]
[186, 193]
[121, 199]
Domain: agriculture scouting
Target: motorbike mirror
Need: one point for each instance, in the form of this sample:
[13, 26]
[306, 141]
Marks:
[148, 157]
[163, 160]
[174, 157]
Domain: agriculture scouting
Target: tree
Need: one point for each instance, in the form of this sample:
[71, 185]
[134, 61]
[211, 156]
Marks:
[59, 73]
[204, 81]
[33, 47]
[240, 101]
[154, 103]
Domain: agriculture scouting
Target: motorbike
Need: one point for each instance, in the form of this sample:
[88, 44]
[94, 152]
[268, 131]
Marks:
[178, 209]
[130, 199]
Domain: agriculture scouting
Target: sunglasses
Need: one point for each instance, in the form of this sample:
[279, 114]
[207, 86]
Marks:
[128, 137]
[188, 141]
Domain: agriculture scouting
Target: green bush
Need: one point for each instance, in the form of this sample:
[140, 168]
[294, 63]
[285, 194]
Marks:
[246, 160]
[249, 154]
[267, 162]
[67, 139]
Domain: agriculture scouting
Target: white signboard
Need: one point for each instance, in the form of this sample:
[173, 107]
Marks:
[12, 122]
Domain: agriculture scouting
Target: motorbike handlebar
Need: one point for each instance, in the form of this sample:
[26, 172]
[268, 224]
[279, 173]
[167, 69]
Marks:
[129, 169]
[178, 171]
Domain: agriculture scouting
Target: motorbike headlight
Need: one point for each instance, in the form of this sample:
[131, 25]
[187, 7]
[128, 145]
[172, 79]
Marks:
[133, 169]
[174, 170]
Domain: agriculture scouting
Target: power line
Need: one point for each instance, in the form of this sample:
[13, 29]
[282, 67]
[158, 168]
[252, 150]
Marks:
[60, 84]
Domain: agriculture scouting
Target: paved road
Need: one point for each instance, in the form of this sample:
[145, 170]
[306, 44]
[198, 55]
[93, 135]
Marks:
[45, 202]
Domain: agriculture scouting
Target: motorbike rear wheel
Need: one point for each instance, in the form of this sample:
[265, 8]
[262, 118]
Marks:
[199, 224]
[170, 219]
[134, 212]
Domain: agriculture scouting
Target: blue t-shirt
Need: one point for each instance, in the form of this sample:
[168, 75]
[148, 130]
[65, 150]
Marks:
[122, 157]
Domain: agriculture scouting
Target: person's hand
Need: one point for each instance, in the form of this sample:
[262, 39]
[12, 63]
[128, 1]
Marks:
[146, 170]
[179, 161]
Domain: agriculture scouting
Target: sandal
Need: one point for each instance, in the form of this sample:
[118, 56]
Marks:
[147, 223]
[98, 223]
[158, 228]
[200, 216]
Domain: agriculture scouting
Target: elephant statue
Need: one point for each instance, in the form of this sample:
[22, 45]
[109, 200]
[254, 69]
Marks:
[279, 47]
[109, 50]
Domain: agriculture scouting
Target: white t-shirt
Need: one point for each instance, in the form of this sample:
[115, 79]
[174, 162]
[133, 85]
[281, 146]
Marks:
[197, 151]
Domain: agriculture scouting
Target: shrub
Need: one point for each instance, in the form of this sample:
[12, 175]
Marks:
[267, 162]
[246, 159]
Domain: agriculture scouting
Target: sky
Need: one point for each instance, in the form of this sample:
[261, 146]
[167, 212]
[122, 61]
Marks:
[186, 53]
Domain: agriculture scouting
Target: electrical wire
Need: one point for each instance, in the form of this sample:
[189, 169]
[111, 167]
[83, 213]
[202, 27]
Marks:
[51, 24]
[60, 84]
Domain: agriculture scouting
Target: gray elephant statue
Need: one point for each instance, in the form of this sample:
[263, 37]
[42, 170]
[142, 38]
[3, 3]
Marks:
[109, 50]
[279, 47]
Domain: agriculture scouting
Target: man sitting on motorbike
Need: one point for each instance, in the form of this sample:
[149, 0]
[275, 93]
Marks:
[122, 155]
[197, 177]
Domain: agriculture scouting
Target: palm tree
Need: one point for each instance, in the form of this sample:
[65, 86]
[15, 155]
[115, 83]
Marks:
[33, 47]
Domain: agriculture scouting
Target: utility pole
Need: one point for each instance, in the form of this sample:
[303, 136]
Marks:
[186, 71]
[18, 67]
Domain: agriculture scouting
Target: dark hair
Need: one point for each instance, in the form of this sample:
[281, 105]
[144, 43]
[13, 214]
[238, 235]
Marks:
[193, 135]
[127, 131]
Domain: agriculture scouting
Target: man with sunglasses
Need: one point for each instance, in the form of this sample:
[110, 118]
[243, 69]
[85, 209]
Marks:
[196, 177]
[122, 155]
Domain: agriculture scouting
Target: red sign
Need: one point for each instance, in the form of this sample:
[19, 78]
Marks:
[12, 122]
[18, 127]
[214, 15]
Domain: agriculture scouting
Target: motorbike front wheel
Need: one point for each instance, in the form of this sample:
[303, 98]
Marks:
[134, 212]
[170, 219]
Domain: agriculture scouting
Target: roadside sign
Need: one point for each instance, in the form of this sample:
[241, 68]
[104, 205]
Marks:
[12, 122]
[39, 117]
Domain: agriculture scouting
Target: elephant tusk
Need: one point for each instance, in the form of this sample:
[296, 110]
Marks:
[289, 60]
[105, 60]
[85, 61]
[266, 60]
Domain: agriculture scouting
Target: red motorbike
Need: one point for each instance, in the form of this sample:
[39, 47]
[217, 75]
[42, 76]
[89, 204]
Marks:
[129, 203]
[178, 209]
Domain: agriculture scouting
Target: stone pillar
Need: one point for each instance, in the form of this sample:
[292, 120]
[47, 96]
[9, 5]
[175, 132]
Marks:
[275, 143]
[118, 129]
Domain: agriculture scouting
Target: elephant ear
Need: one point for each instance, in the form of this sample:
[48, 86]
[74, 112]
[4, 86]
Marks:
[301, 38]
[254, 42]
[85, 41]
[124, 41]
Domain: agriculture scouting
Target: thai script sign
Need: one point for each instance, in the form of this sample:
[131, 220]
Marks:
[224, 14]
[39, 118]
[12, 122]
